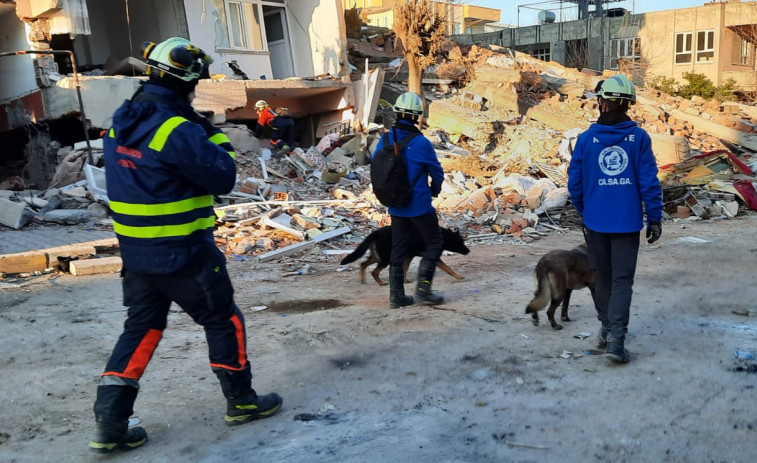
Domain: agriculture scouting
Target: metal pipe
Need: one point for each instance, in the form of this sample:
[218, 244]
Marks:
[76, 81]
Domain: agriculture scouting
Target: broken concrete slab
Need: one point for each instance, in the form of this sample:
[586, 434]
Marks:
[454, 119]
[67, 216]
[242, 139]
[13, 214]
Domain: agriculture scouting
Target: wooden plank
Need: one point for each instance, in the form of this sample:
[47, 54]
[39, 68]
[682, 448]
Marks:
[274, 224]
[302, 245]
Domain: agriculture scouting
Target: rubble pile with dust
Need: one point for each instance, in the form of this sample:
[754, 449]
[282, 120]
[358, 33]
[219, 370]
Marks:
[503, 125]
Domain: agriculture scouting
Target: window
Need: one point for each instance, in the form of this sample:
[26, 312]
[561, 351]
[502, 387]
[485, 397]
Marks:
[244, 25]
[624, 51]
[238, 23]
[541, 53]
[705, 46]
[742, 51]
[683, 48]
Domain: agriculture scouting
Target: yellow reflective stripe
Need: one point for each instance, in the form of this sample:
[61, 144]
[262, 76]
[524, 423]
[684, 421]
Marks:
[176, 207]
[219, 138]
[112, 133]
[164, 231]
[161, 136]
[222, 138]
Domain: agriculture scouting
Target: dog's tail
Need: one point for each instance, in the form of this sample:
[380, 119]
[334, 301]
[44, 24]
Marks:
[542, 295]
[358, 253]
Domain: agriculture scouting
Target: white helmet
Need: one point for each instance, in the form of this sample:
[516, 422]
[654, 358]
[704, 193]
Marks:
[409, 103]
[617, 87]
[261, 104]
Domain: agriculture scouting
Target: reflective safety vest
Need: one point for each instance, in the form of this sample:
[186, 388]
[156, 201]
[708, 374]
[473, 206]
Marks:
[162, 172]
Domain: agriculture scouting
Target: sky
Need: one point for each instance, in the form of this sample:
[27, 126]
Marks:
[509, 9]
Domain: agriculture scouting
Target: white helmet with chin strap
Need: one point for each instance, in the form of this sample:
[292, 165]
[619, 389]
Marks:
[617, 87]
[409, 103]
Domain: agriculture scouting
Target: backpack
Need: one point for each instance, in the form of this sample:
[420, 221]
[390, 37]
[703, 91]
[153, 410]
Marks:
[282, 112]
[389, 173]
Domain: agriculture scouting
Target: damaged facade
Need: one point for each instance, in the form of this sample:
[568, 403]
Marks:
[716, 39]
[254, 44]
[502, 123]
[462, 18]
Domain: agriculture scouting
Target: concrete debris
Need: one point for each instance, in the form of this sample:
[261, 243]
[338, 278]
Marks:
[504, 125]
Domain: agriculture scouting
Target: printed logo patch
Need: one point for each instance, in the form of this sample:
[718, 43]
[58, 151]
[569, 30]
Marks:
[129, 151]
[613, 160]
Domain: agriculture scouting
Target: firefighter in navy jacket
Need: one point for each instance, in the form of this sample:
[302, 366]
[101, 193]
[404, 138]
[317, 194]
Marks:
[164, 162]
[611, 174]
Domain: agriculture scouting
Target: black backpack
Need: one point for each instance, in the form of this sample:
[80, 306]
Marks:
[389, 173]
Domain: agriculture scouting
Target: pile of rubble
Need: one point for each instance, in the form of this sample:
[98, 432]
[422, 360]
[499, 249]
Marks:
[503, 128]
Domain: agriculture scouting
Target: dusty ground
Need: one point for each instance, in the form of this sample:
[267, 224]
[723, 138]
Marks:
[470, 381]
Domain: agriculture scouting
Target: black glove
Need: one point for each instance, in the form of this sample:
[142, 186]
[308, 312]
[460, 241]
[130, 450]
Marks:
[654, 230]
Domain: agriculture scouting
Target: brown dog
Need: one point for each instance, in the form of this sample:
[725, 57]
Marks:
[380, 244]
[557, 274]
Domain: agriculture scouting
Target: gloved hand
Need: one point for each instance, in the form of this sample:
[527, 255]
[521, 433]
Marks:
[654, 230]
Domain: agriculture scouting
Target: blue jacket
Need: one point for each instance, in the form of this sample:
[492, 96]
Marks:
[421, 162]
[163, 164]
[612, 171]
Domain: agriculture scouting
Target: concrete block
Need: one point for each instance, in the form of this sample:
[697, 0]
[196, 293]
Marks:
[74, 250]
[242, 139]
[96, 266]
[67, 216]
[13, 214]
[23, 262]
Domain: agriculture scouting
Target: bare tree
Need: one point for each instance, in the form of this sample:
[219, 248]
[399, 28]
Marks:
[422, 29]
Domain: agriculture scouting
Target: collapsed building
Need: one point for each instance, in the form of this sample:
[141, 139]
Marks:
[503, 123]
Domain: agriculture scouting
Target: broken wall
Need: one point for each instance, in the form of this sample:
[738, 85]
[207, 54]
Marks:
[16, 72]
[101, 96]
[116, 37]
[321, 47]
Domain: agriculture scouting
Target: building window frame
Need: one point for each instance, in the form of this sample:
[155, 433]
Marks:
[542, 53]
[240, 25]
[706, 46]
[684, 47]
[625, 49]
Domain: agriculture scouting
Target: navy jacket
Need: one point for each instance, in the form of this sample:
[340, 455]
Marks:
[612, 172]
[163, 164]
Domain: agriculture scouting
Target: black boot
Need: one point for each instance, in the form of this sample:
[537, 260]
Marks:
[113, 407]
[250, 406]
[397, 296]
[425, 277]
[114, 437]
[602, 344]
[617, 352]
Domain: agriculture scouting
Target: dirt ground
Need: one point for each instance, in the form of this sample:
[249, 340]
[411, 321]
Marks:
[470, 381]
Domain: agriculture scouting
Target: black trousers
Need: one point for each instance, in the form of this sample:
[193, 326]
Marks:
[204, 291]
[283, 129]
[403, 231]
[613, 257]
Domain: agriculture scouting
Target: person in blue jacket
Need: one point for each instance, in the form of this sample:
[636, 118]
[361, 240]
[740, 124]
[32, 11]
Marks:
[164, 163]
[611, 174]
[418, 215]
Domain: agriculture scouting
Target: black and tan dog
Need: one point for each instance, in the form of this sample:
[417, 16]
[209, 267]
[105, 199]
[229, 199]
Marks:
[380, 244]
[557, 274]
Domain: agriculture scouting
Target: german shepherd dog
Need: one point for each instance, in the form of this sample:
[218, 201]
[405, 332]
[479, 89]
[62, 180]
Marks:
[380, 244]
[557, 274]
